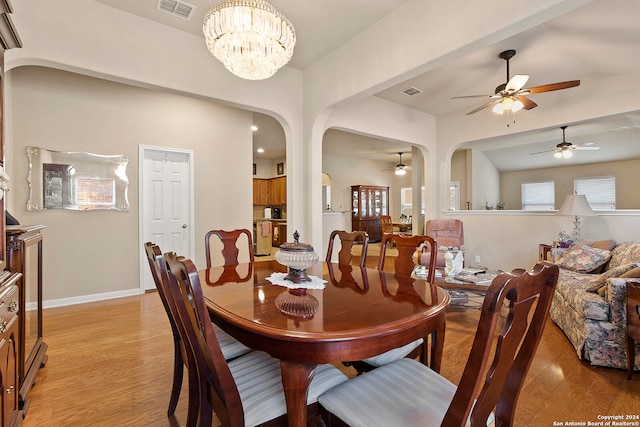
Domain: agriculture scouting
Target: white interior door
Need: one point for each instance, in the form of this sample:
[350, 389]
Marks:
[166, 204]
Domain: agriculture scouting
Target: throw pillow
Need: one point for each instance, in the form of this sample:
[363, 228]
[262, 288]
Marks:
[583, 259]
[601, 280]
[604, 244]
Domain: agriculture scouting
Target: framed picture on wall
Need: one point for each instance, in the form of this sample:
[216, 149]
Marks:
[254, 169]
[280, 168]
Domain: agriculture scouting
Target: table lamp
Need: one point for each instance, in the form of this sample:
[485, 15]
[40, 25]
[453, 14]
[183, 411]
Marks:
[576, 205]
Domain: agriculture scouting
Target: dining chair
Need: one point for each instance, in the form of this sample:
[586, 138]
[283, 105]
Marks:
[408, 393]
[404, 263]
[180, 355]
[633, 323]
[386, 224]
[347, 240]
[403, 267]
[229, 240]
[246, 391]
[231, 348]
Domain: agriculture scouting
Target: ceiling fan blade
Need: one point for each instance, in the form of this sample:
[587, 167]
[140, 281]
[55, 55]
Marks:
[516, 83]
[474, 96]
[528, 104]
[551, 87]
[482, 107]
[582, 147]
[545, 151]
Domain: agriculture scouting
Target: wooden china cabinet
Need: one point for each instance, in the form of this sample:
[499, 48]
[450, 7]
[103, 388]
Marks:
[368, 203]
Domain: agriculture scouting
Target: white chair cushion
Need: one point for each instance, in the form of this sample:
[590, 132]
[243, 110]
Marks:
[402, 393]
[231, 347]
[393, 355]
[257, 376]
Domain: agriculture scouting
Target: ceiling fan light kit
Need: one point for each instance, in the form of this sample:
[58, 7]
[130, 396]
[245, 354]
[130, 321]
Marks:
[510, 96]
[401, 168]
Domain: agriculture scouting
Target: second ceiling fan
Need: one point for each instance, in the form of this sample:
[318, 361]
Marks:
[400, 168]
[511, 96]
[565, 149]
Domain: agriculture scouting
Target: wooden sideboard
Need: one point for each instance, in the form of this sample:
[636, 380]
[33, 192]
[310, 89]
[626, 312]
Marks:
[24, 256]
[10, 342]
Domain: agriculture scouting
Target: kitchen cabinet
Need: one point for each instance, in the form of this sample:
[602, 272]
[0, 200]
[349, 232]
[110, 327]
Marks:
[278, 191]
[369, 202]
[261, 192]
[270, 192]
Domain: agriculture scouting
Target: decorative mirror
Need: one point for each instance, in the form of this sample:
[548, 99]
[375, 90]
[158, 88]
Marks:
[76, 180]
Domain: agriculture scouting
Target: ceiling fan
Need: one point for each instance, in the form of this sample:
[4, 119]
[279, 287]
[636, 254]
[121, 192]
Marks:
[510, 96]
[565, 149]
[400, 169]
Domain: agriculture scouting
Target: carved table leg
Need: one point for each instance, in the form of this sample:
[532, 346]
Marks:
[437, 344]
[296, 378]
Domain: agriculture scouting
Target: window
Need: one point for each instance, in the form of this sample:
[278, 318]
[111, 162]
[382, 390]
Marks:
[600, 191]
[406, 201]
[454, 196]
[538, 196]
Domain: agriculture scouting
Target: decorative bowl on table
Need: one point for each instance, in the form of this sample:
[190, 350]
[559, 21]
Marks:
[298, 257]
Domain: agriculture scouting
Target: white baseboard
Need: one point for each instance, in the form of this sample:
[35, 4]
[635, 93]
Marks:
[84, 299]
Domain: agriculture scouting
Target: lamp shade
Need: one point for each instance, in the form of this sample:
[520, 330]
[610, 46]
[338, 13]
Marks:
[576, 205]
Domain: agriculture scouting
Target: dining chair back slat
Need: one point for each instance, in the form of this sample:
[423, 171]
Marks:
[229, 240]
[347, 241]
[404, 263]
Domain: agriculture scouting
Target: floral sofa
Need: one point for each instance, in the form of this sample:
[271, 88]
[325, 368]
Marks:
[589, 302]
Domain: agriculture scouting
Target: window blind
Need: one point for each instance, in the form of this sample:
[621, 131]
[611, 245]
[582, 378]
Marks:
[600, 191]
[538, 196]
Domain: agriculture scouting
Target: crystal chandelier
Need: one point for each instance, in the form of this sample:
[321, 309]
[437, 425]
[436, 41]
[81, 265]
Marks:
[250, 37]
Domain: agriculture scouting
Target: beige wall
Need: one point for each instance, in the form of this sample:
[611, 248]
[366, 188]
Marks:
[627, 175]
[90, 255]
[347, 171]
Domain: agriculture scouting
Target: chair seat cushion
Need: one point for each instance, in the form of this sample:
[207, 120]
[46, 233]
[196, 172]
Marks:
[257, 376]
[395, 354]
[402, 393]
[231, 347]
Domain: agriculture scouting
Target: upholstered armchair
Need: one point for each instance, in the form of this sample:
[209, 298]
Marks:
[446, 232]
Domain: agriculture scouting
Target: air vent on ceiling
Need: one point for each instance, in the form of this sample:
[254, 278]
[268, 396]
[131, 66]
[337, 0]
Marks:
[176, 7]
[411, 91]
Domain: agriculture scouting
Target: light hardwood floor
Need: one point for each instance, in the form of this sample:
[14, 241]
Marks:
[110, 364]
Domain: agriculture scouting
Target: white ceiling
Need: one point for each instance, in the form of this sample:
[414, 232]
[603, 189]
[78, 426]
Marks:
[601, 38]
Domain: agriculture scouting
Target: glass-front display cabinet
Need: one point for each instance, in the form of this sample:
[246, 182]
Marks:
[369, 202]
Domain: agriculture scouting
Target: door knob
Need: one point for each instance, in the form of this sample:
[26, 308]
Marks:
[184, 225]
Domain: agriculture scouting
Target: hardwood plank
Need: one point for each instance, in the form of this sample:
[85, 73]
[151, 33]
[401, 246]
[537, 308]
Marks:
[110, 363]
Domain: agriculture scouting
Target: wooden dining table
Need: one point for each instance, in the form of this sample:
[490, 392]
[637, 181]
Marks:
[360, 313]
